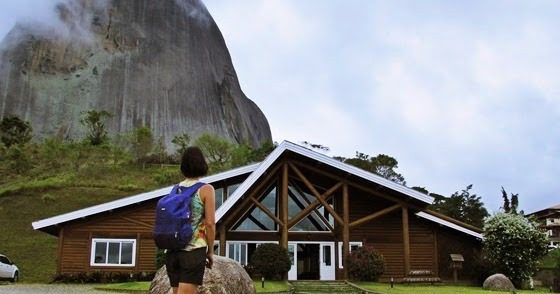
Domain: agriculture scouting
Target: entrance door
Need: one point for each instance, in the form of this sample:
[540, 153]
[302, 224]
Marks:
[292, 274]
[327, 268]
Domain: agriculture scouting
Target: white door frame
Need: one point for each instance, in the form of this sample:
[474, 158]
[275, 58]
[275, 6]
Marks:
[326, 271]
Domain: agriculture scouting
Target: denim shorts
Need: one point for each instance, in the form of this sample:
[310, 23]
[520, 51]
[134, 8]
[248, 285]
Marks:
[186, 266]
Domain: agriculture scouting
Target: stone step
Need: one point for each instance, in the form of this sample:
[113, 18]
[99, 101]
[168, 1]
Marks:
[308, 287]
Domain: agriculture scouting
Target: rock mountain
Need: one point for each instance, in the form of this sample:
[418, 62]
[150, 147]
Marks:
[161, 64]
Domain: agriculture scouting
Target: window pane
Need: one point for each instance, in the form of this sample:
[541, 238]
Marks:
[113, 257]
[126, 254]
[243, 253]
[291, 253]
[100, 252]
[231, 253]
[219, 197]
[231, 189]
[327, 255]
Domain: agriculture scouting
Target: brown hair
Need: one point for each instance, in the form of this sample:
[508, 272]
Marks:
[193, 164]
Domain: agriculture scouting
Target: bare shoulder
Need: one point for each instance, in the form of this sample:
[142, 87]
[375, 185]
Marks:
[207, 191]
[207, 188]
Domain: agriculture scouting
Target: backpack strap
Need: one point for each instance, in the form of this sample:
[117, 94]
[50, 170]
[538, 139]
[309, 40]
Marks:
[191, 189]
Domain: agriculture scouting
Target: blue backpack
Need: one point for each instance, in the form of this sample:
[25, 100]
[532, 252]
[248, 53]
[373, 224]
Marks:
[173, 229]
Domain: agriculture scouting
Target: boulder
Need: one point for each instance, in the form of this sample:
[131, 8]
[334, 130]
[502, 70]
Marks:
[498, 282]
[226, 276]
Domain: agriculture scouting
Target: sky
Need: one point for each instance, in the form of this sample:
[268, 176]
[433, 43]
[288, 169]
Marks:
[459, 92]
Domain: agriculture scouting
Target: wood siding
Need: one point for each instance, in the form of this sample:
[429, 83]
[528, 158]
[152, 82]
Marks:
[133, 223]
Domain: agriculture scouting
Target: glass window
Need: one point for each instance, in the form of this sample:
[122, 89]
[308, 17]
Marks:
[231, 189]
[313, 222]
[256, 219]
[219, 197]
[238, 252]
[327, 255]
[113, 252]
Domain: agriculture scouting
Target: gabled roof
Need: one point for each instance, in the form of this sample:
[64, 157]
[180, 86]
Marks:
[286, 146]
[550, 210]
[449, 224]
[89, 211]
[256, 172]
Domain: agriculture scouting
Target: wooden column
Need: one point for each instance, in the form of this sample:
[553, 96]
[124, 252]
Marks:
[284, 207]
[406, 240]
[222, 231]
[345, 229]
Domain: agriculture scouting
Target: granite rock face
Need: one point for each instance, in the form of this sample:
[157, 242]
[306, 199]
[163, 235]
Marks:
[225, 277]
[161, 64]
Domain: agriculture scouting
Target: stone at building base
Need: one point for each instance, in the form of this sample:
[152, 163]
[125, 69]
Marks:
[226, 276]
[498, 282]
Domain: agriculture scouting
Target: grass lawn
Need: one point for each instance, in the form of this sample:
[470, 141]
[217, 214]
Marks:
[124, 287]
[269, 286]
[384, 288]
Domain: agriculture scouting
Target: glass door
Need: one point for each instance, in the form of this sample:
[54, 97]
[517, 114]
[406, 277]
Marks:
[292, 273]
[327, 261]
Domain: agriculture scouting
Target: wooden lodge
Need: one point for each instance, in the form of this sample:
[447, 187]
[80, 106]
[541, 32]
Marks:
[318, 208]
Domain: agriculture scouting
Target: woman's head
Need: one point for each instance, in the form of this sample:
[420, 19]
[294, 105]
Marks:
[193, 164]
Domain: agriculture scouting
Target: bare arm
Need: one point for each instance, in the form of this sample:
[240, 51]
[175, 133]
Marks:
[207, 194]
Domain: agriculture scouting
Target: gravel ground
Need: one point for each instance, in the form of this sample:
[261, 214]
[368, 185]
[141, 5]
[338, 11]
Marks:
[49, 289]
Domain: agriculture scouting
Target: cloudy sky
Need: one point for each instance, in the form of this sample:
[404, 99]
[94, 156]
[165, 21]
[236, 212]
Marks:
[459, 92]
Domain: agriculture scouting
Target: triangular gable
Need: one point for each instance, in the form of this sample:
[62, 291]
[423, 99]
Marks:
[123, 202]
[288, 146]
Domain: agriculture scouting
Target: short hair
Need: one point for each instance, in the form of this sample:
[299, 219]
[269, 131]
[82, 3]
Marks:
[193, 164]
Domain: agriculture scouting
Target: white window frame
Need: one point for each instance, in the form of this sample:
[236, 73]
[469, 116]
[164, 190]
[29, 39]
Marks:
[237, 249]
[95, 241]
[340, 265]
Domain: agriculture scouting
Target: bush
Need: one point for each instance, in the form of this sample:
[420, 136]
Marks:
[515, 245]
[271, 261]
[365, 264]
[103, 277]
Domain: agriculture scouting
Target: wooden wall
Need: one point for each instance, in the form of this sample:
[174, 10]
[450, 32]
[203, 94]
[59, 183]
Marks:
[132, 223]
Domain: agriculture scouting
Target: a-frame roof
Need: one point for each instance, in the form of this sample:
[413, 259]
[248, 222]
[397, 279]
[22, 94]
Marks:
[256, 172]
[44, 224]
[286, 146]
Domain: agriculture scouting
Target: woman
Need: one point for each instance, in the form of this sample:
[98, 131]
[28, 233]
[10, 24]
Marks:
[185, 268]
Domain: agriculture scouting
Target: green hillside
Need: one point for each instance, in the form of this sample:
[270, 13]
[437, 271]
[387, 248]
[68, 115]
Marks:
[34, 251]
[39, 180]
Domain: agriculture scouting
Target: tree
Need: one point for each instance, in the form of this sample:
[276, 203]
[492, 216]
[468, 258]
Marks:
[271, 261]
[316, 146]
[218, 151]
[142, 144]
[382, 164]
[462, 206]
[514, 244]
[365, 264]
[94, 121]
[510, 206]
[181, 142]
[14, 131]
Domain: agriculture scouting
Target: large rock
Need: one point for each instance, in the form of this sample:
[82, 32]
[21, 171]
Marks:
[225, 277]
[498, 282]
[161, 64]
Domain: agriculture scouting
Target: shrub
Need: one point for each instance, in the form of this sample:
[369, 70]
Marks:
[365, 264]
[515, 245]
[271, 261]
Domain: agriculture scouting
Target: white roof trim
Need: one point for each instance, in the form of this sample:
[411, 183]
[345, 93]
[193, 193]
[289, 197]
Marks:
[134, 199]
[285, 145]
[449, 224]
